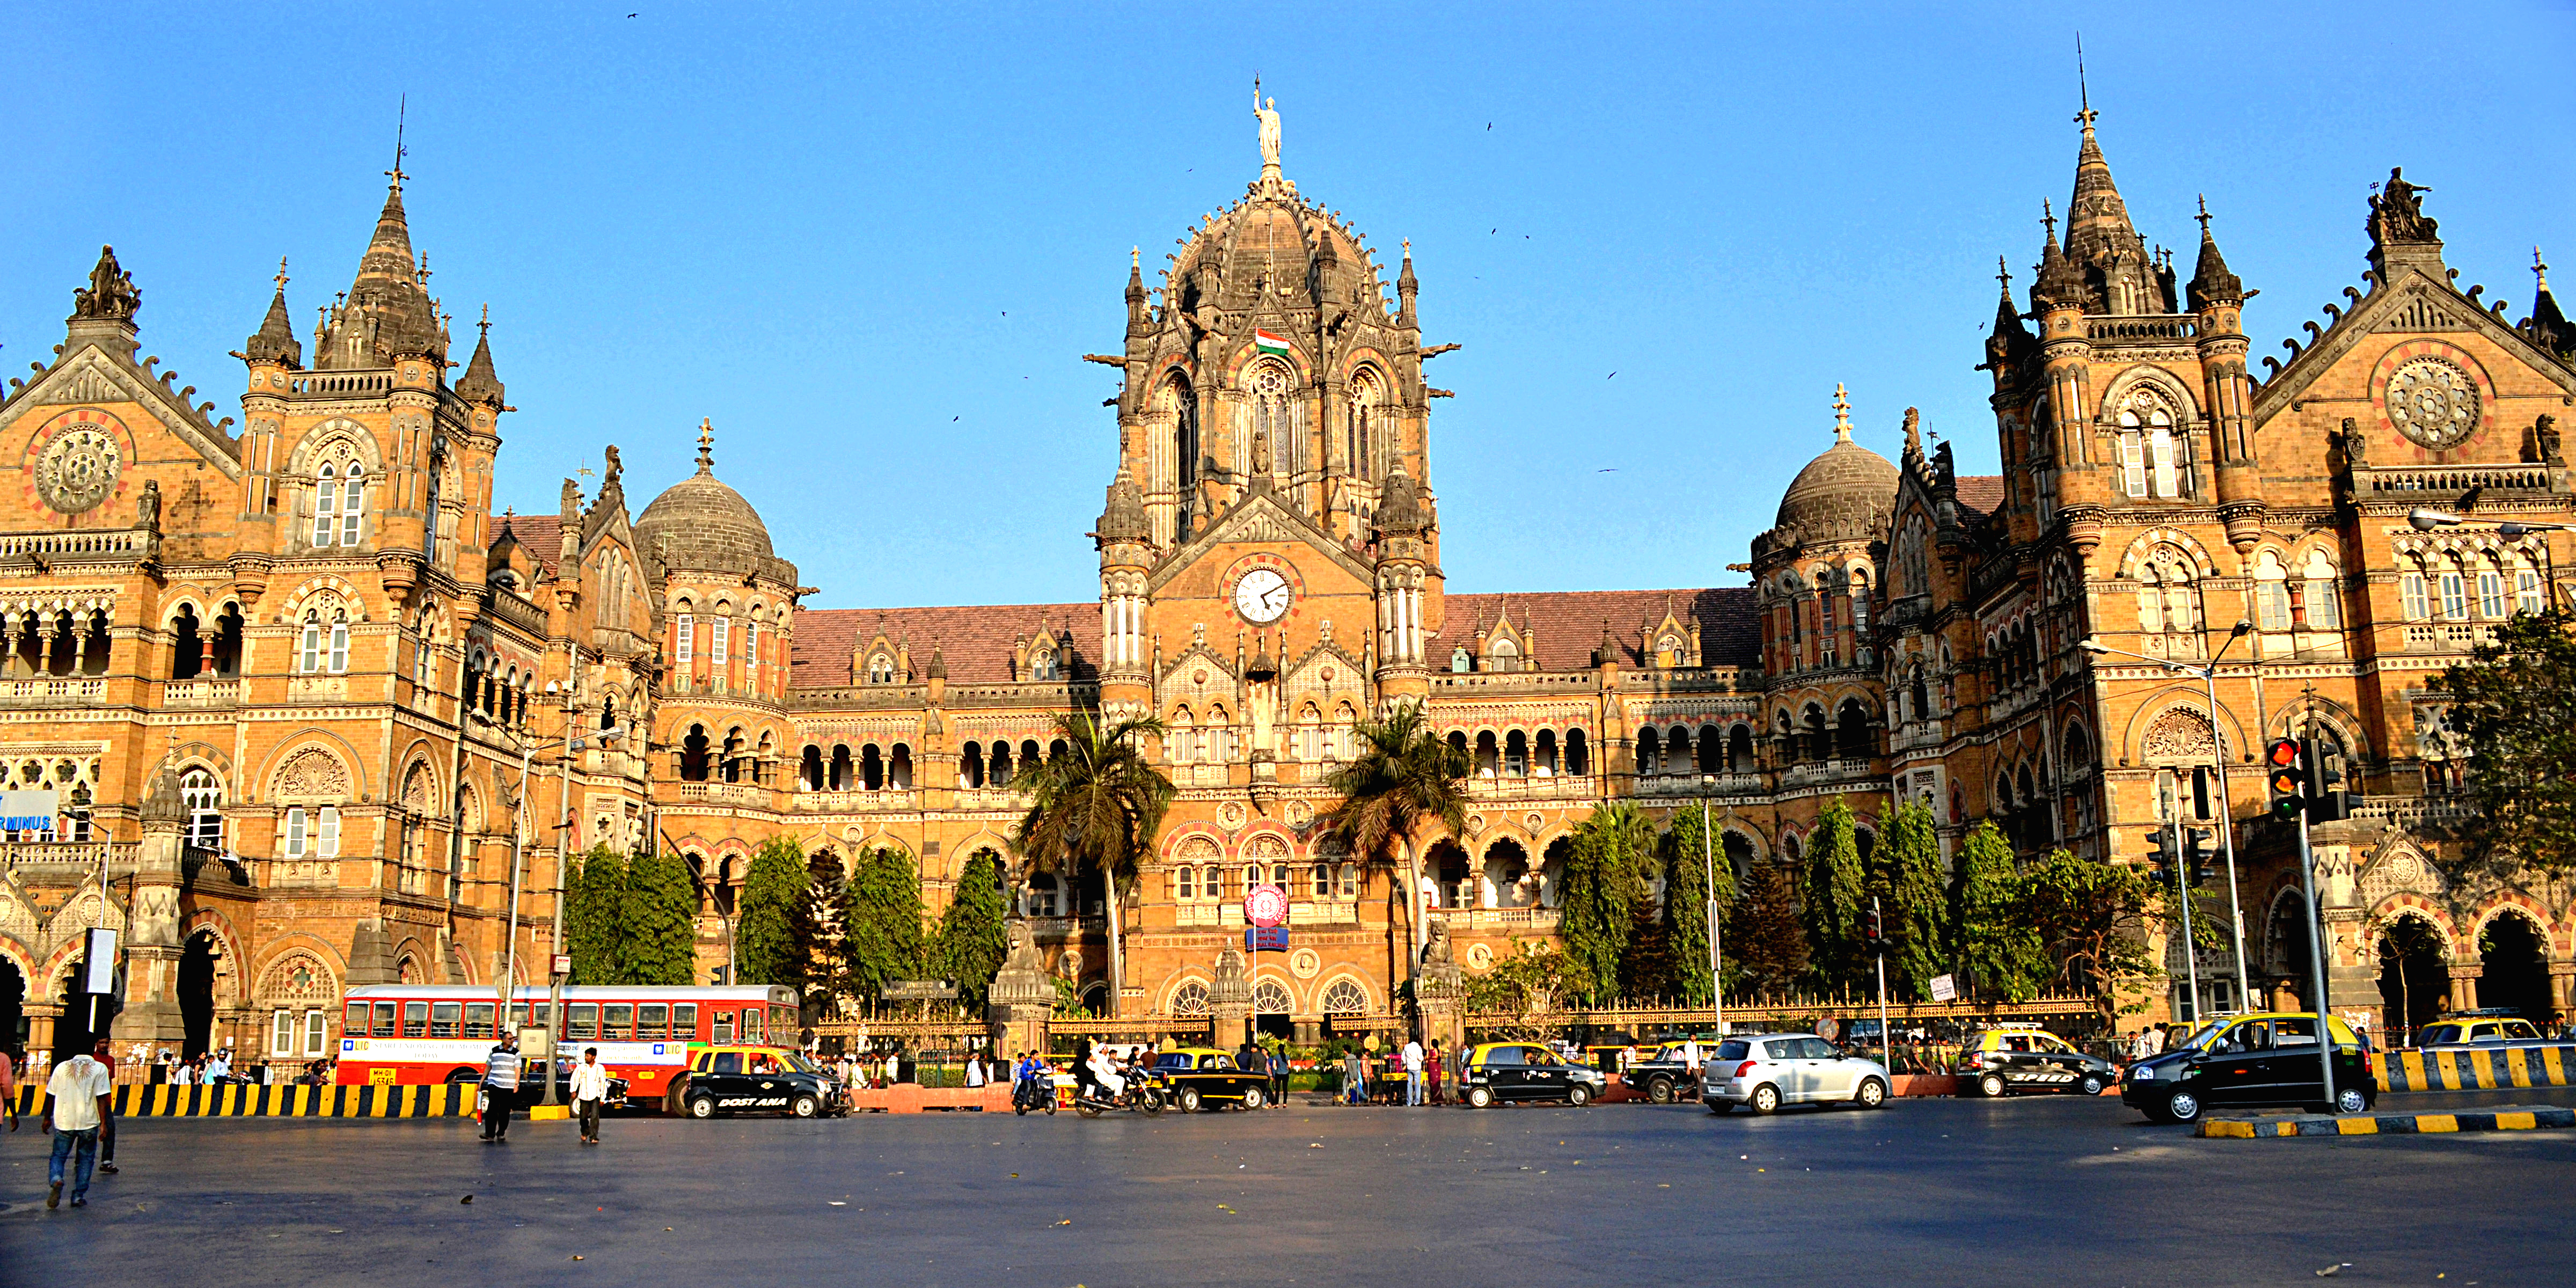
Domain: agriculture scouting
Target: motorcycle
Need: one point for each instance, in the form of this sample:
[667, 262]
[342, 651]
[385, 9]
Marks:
[1034, 1093]
[1142, 1093]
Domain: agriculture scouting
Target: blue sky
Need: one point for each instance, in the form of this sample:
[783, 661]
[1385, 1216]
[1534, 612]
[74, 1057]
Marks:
[872, 244]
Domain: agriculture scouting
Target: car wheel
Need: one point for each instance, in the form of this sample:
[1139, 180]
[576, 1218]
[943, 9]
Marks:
[702, 1107]
[1991, 1086]
[1872, 1094]
[2182, 1107]
[2350, 1100]
[1480, 1097]
[1660, 1091]
[805, 1106]
[1766, 1099]
[1253, 1098]
[1578, 1095]
[2089, 1085]
[456, 1076]
[1189, 1100]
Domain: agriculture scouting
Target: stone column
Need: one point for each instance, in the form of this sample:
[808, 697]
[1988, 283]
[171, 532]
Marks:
[2562, 986]
[1022, 998]
[1230, 1000]
[152, 946]
[40, 1032]
[2464, 976]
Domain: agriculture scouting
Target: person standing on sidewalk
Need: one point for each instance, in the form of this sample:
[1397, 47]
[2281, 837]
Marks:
[500, 1088]
[77, 1095]
[1412, 1072]
[1431, 1072]
[589, 1092]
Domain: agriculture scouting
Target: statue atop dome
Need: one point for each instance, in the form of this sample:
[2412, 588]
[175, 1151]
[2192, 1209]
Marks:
[1268, 114]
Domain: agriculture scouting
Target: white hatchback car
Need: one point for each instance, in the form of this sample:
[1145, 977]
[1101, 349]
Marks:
[1775, 1069]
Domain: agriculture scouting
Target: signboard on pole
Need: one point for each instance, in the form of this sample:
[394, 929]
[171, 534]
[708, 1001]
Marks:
[917, 990]
[29, 811]
[1265, 905]
[98, 974]
[1265, 939]
[1945, 988]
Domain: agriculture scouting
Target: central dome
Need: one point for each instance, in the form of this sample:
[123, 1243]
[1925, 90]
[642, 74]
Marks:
[1842, 492]
[699, 523]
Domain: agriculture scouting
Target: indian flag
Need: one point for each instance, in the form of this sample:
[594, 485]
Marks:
[1264, 342]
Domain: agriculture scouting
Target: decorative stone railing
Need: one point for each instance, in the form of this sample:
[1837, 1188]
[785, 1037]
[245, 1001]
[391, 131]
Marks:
[725, 793]
[44, 692]
[357, 384]
[2453, 479]
[58, 855]
[2147, 329]
[201, 693]
[100, 543]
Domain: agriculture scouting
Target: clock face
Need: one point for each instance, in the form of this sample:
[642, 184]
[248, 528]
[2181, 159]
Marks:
[1262, 596]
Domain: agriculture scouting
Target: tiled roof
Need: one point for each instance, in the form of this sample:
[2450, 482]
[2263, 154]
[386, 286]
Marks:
[541, 535]
[973, 640]
[1983, 493]
[1568, 623]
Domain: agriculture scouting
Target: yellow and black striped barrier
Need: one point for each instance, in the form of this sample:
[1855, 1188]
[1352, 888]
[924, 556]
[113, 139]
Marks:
[137, 1101]
[2508, 1118]
[2477, 1068]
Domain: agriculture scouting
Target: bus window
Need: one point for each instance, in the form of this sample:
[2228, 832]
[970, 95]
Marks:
[782, 1021]
[652, 1021]
[541, 1014]
[723, 1022]
[617, 1022]
[478, 1019]
[384, 1020]
[581, 1021]
[684, 1021]
[356, 1024]
[751, 1028]
[444, 1017]
[415, 1019]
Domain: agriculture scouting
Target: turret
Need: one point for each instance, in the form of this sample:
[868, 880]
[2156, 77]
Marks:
[2057, 296]
[2218, 297]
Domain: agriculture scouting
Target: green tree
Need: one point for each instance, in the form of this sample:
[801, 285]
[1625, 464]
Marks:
[1529, 980]
[658, 921]
[1096, 809]
[1906, 878]
[1766, 948]
[1403, 779]
[881, 921]
[970, 943]
[2097, 919]
[1686, 876]
[773, 888]
[1993, 937]
[1605, 879]
[814, 934]
[594, 917]
[1833, 896]
[2514, 704]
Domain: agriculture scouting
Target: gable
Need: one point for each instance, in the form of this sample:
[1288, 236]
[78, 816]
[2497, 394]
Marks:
[1260, 517]
[2415, 303]
[93, 375]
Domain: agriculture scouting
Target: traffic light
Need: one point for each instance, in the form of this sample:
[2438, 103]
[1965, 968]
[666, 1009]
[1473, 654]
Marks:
[1872, 931]
[2326, 794]
[2160, 854]
[2201, 847]
[2285, 766]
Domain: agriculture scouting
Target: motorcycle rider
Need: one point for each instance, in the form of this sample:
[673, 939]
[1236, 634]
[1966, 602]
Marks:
[1106, 1071]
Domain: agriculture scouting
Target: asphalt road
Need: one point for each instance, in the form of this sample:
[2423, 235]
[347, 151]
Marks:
[2041, 1190]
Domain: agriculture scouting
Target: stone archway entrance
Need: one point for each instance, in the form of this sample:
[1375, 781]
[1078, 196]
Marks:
[197, 994]
[2515, 968]
[2414, 977]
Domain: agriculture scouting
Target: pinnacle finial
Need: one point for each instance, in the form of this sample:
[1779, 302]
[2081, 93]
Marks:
[2003, 274]
[2048, 218]
[402, 109]
[1842, 414]
[484, 324]
[2204, 216]
[1135, 257]
[2540, 268]
[706, 445]
[2083, 95]
[281, 271]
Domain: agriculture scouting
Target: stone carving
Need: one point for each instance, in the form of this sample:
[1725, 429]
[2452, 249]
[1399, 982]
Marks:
[2432, 401]
[147, 511]
[2178, 735]
[2356, 445]
[1266, 112]
[2544, 434]
[298, 977]
[420, 790]
[313, 773]
[78, 469]
[2397, 212]
[110, 294]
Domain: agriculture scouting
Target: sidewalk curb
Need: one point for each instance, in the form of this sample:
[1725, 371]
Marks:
[2504, 1118]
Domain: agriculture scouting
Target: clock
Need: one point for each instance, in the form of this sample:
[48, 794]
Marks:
[1262, 596]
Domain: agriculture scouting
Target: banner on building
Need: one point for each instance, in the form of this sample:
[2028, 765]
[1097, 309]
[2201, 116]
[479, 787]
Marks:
[29, 811]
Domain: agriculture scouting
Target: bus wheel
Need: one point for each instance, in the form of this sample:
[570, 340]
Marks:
[702, 1107]
[461, 1075]
[805, 1107]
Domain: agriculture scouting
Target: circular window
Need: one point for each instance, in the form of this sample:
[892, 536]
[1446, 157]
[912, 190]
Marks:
[2432, 401]
[1345, 998]
[1271, 998]
[1190, 999]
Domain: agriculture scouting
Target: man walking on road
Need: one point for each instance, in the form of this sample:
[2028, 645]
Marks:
[1412, 1072]
[589, 1091]
[500, 1088]
[78, 1094]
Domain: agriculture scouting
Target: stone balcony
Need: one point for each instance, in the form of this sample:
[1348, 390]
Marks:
[66, 690]
[1498, 918]
[201, 693]
[750, 794]
[1511, 787]
[67, 858]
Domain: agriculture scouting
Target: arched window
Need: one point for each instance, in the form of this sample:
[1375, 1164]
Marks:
[339, 660]
[1544, 760]
[999, 771]
[1366, 440]
[719, 640]
[1042, 664]
[353, 505]
[1344, 997]
[880, 668]
[326, 505]
[899, 768]
[694, 753]
[203, 799]
[843, 771]
[1739, 750]
[2455, 594]
[1042, 894]
[2155, 457]
[1269, 383]
[1503, 655]
[684, 642]
[2168, 599]
[970, 765]
[308, 651]
[2271, 593]
[2411, 589]
[1577, 759]
[1650, 752]
[809, 769]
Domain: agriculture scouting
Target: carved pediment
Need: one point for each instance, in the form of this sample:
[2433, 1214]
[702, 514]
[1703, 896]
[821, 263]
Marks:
[2419, 311]
[1259, 517]
[92, 375]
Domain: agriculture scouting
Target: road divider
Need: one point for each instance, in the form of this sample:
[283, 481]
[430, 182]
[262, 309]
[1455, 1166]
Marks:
[2503, 1118]
[134, 1100]
[2477, 1069]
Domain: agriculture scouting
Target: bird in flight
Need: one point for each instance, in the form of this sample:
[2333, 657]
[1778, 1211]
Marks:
[1612, 376]
[1613, 469]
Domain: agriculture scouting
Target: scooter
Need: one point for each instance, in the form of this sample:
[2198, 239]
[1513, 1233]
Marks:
[1142, 1093]
[1036, 1092]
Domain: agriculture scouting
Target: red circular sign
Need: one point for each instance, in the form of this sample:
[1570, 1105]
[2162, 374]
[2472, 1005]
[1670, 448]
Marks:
[1265, 905]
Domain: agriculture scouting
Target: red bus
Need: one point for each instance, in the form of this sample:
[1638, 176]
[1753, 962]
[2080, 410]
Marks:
[418, 1034]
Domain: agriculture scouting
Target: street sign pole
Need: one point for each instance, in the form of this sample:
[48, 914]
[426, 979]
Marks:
[1886, 1052]
[2317, 962]
[1708, 854]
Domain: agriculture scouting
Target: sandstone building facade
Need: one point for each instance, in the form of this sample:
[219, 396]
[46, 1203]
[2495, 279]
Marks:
[314, 697]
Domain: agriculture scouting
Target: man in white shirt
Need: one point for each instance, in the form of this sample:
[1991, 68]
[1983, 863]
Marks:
[76, 1105]
[1412, 1072]
[589, 1092]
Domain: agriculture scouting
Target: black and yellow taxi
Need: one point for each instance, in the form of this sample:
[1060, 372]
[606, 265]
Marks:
[2007, 1058]
[1521, 1071]
[727, 1079]
[2267, 1059]
[1197, 1078]
[2489, 1028]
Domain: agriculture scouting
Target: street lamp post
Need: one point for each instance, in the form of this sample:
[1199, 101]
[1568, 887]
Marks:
[518, 847]
[1708, 854]
[2226, 813]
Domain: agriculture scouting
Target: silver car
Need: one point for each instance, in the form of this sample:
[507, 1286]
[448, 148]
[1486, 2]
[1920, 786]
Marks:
[1775, 1069]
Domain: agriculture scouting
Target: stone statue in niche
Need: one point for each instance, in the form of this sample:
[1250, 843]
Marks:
[2544, 434]
[147, 511]
[2356, 446]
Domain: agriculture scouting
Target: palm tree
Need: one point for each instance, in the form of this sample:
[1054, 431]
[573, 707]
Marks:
[1403, 777]
[1097, 806]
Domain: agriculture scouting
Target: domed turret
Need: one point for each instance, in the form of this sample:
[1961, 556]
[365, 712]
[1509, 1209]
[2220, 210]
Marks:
[701, 524]
[1846, 492]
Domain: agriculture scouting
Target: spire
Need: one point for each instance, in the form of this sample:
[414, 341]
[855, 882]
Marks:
[1401, 509]
[1405, 285]
[2059, 282]
[388, 313]
[2211, 283]
[707, 445]
[1137, 319]
[480, 383]
[110, 295]
[1842, 414]
[2547, 326]
[275, 340]
[1122, 519]
[2009, 338]
[2100, 240]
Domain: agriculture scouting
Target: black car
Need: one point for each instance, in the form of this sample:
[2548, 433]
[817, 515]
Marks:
[2250, 1061]
[756, 1080]
[2024, 1057]
[1198, 1078]
[1664, 1076]
[1527, 1071]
